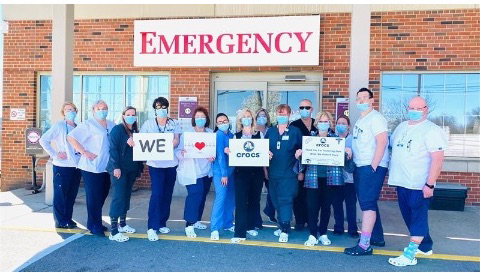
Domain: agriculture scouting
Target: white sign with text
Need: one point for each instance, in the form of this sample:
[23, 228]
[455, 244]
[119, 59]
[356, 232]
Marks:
[328, 151]
[200, 144]
[153, 146]
[248, 153]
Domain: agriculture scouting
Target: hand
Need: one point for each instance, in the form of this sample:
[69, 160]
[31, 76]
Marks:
[211, 159]
[298, 153]
[270, 155]
[175, 142]
[348, 151]
[117, 173]
[183, 152]
[62, 155]
[224, 181]
[427, 192]
[130, 142]
[90, 156]
[301, 176]
[374, 168]
[227, 151]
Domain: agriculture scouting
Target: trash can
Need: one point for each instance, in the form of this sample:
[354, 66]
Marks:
[449, 197]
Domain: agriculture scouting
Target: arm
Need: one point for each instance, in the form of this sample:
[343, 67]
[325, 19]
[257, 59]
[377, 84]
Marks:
[222, 162]
[381, 141]
[46, 139]
[77, 137]
[435, 166]
[115, 148]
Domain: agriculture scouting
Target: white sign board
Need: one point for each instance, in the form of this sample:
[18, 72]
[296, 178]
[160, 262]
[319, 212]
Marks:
[200, 144]
[328, 151]
[252, 41]
[152, 146]
[248, 153]
[17, 114]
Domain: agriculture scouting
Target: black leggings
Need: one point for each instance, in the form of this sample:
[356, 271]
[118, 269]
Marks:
[319, 199]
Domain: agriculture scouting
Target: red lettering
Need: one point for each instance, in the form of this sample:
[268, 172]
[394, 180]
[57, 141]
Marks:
[219, 44]
[205, 44]
[168, 47]
[145, 41]
[258, 38]
[302, 41]
[242, 42]
[277, 43]
[187, 44]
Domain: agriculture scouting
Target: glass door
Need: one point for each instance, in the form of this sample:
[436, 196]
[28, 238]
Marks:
[292, 94]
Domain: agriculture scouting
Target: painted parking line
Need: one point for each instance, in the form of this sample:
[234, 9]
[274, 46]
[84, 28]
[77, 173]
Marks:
[255, 243]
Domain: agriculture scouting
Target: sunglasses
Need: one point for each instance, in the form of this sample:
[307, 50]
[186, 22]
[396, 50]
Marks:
[305, 107]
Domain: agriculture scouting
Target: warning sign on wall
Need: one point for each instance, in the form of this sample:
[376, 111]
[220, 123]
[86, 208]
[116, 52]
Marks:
[17, 114]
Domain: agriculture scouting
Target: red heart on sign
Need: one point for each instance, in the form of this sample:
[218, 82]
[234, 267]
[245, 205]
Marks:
[199, 145]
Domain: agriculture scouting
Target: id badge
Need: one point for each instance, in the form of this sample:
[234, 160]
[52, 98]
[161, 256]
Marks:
[285, 137]
[278, 145]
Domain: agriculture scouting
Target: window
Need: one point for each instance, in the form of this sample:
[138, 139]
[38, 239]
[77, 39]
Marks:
[117, 91]
[453, 100]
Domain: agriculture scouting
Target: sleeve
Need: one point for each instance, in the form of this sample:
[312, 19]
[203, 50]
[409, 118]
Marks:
[46, 139]
[392, 137]
[221, 155]
[115, 147]
[144, 128]
[299, 139]
[178, 151]
[379, 125]
[436, 139]
[178, 128]
[267, 134]
[80, 133]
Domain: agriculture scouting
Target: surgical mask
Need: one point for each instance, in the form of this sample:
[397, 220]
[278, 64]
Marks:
[363, 106]
[323, 127]
[101, 114]
[200, 122]
[304, 113]
[70, 116]
[341, 128]
[247, 122]
[130, 119]
[282, 120]
[162, 112]
[223, 127]
[261, 121]
[415, 115]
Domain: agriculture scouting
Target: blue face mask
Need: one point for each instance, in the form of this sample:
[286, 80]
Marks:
[223, 127]
[130, 119]
[101, 114]
[415, 115]
[162, 113]
[261, 121]
[323, 127]
[341, 128]
[200, 122]
[282, 120]
[70, 116]
[363, 106]
[304, 113]
[247, 122]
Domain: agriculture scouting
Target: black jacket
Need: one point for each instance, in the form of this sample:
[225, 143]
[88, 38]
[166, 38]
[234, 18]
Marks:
[118, 145]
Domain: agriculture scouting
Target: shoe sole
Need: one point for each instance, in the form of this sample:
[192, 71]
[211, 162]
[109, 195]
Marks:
[406, 264]
[112, 239]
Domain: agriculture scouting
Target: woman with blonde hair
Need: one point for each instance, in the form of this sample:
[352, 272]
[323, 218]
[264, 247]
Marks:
[66, 176]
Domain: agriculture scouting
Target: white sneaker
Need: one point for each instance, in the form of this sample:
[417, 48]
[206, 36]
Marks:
[119, 237]
[231, 229]
[152, 235]
[199, 225]
[214, 236]
[252, 233]
[277, 232]
[283, 237]
[237, 240]
[311, 241]
[324, 240]
[402, 261]
[164, 230]
[190, 232]
[126, 229]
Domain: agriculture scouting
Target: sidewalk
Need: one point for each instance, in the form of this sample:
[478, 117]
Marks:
[27, 227]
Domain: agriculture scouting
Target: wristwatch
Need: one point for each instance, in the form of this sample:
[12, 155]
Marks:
[429, 186]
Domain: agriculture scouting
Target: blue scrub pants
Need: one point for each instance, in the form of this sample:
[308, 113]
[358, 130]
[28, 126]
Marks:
[223, 204]
[283, 191]
[195, 200]
[162, 181]
[345, 193]
[97, 186]
[65, 188]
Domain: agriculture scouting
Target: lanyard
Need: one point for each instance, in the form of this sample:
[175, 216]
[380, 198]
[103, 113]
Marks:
[164, 128]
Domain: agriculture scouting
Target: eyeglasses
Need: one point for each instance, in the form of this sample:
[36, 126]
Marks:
[417, 109]
[305, 107]
[222, 122]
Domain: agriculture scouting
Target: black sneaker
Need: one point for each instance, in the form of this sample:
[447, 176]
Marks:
[72, 224]
[63, 226]
[104, 228]
[354, 235]
[379, 244]
[358, 251]
[337, 233]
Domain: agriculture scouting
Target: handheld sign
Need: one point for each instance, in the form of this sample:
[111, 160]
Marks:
[199, 144]
[152, 146]
[248, 153]
[328, 151]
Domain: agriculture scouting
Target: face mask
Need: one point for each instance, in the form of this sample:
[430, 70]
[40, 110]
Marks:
[261, 121]
[223, 127]
[162, 113]
[415, 115]
[200, 122]
[323, 127]
[71, 115]
[341, 128]
[247, 122]
[282, 120]
[363, 106]
[304, 113]
[130, 119]
[101, 114]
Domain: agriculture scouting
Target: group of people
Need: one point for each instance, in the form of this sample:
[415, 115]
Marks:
[101, 153]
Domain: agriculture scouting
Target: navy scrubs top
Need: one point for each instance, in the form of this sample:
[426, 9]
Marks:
[283, 159]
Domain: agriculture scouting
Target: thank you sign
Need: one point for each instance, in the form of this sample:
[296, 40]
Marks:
[248, 153]
[328, 151]
[152, 146]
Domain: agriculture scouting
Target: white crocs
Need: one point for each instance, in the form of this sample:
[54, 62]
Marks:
[214, 236]
[312, 241]
[283, 237]
[126, 229]
[164, 230]
[277, 232]
[324, 240]
[402, 261]
[252, 233]
[152, 235]
[119, 237]
[199, 225]
[190, 232]
[231, 229]
[237, 240]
